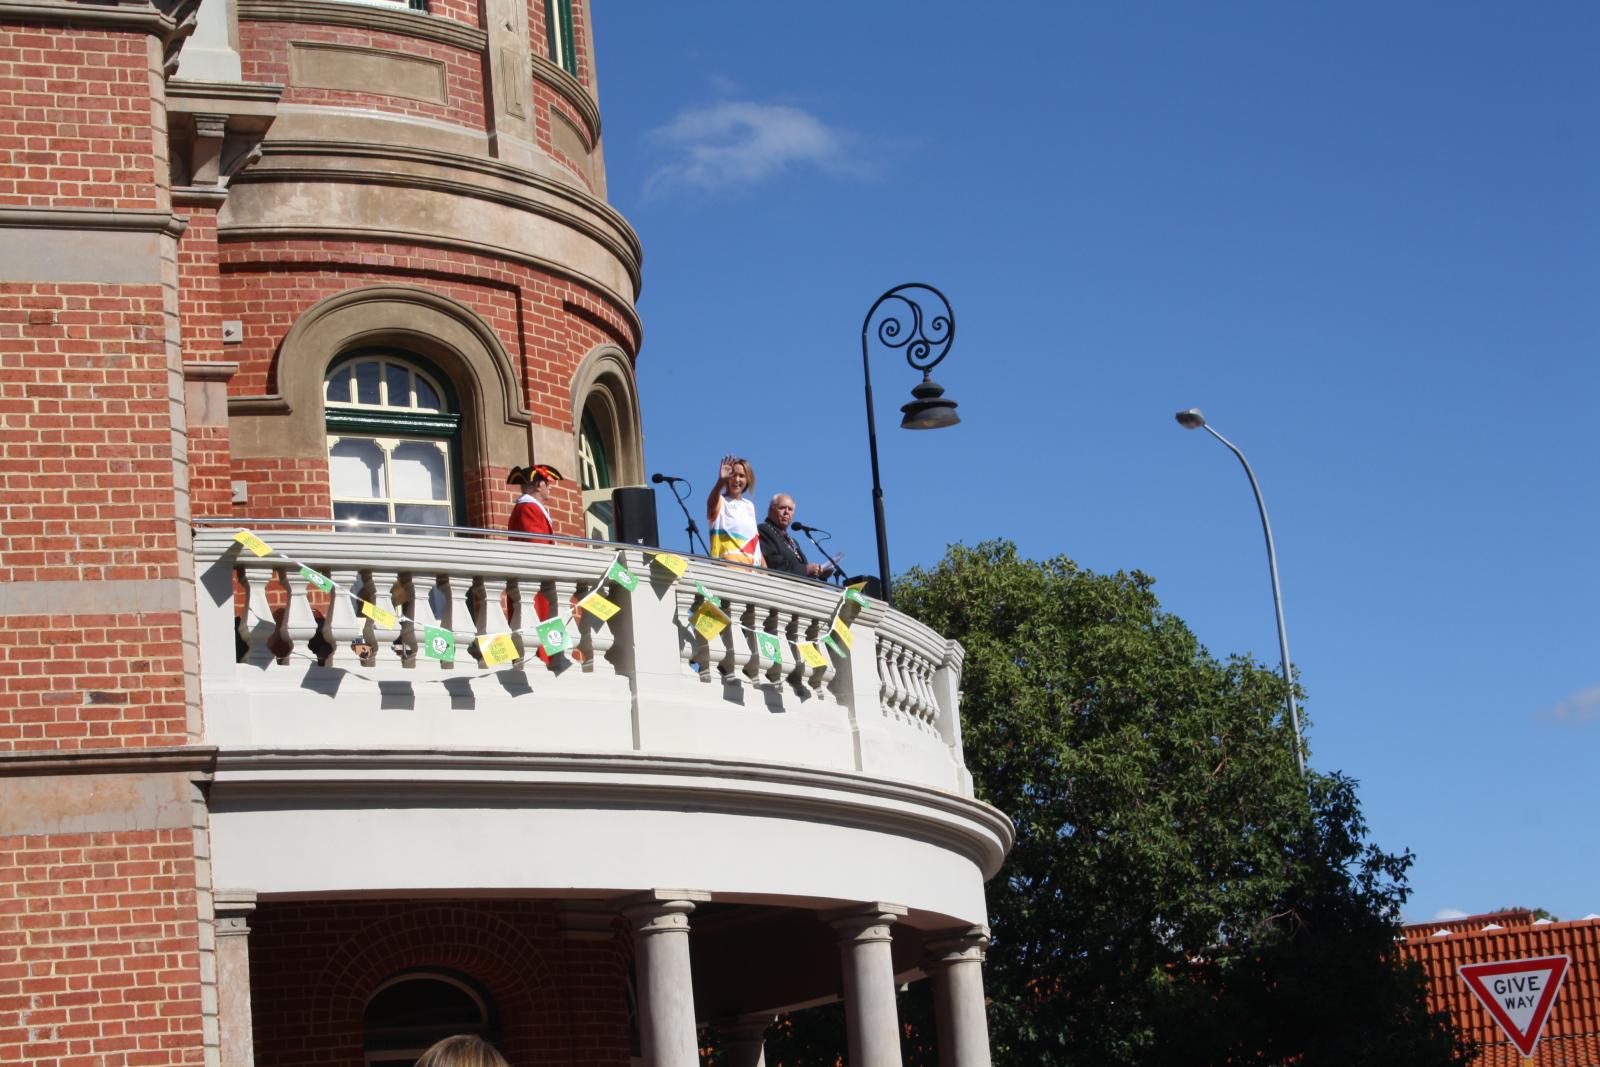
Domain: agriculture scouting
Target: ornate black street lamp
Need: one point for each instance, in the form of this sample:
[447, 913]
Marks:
[918, 319]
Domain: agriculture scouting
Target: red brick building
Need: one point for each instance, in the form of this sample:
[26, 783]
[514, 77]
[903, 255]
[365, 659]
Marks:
[1572, 1033]
[272, 263]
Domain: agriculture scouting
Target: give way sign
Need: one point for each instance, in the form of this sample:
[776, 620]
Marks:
[1518, 994]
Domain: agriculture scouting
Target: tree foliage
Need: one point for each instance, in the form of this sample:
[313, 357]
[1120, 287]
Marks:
[1178, 894]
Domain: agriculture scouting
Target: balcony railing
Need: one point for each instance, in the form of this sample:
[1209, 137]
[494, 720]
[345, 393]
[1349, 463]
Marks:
[287, 665]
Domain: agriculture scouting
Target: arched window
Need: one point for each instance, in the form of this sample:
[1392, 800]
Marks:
[394, 441]
[413, 1009]
[594, 477]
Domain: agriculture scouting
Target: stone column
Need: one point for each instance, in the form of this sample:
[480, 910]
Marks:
[955, 962]
[871, 1020]
[665, 980]
[232, 924]
[744, 1040]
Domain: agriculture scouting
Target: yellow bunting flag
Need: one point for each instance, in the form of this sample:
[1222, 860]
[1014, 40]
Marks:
[598, 606]
[497, 649]
[676, 564]
[383, 618]
[811, 654]
[844, 633]
[709, 620]
[253, 543]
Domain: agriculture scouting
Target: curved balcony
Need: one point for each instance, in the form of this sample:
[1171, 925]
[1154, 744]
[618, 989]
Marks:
[647, 757]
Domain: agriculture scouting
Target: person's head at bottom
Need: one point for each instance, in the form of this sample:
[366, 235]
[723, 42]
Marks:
[462, 1050]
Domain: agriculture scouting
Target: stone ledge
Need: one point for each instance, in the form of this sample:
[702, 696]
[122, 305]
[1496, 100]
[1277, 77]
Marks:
[366, 17]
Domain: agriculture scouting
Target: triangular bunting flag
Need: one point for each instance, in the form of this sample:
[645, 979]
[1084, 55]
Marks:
[253, 543]
[709, 620]
[844, 633]
[598, 606]
[1518, 994]
[676, 565]
[622, 576]
[319, 581]
[552, 637]
[497, 649]
[383, 618]
[438, 644]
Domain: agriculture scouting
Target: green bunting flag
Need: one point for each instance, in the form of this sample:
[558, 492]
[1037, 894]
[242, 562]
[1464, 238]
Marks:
[828, 640]
[438, 644]
[853, 594]
[622, 576]
[705, 594]
[553, 637]
[770, 647]
[319, 581]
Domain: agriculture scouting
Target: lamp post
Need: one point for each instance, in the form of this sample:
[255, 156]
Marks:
[918, 319]
[1194, 419]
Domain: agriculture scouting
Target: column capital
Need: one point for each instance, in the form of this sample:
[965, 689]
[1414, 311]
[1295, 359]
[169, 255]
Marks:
[231, 910]
[865, 922]
[963, 945]
[661, 911]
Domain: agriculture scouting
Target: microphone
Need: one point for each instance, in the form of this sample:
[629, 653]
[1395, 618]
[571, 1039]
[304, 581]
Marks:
[803, 528]
[659, 478]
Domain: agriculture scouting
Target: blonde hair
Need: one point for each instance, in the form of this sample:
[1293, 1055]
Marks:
[749, 477]
[462, 1050]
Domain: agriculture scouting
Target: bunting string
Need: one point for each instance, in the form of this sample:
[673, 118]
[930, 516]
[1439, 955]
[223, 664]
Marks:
[553, 635]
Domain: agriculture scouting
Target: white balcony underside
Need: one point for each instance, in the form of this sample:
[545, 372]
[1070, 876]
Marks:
[572, 826]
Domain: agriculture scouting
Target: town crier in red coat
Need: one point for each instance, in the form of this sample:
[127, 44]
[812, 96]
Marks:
[532, 513]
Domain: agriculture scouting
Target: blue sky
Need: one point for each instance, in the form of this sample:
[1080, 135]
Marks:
[1365, 239]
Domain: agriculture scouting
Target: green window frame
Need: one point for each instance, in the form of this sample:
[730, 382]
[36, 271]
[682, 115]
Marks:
[394, 411]
[558, 35]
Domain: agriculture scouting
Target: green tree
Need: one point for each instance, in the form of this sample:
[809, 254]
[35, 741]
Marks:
[1177, 893]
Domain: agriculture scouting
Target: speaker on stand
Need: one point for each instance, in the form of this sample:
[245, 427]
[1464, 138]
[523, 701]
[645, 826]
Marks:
[633, 516]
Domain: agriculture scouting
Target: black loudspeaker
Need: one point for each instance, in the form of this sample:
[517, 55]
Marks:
[633, 516]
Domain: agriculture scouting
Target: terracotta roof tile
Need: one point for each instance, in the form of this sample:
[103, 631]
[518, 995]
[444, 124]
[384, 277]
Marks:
[1572, 1034]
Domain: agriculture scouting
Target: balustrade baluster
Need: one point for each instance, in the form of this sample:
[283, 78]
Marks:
[523, 616]
[693, 650]
[897, 667]
[340, 624]
[746, 659]
[258, 627]
[401, 599]
[299, 620]
[600, 638]
[561, 597]
[725, 649]
[457, 590]
[822, 677]
[430, 606]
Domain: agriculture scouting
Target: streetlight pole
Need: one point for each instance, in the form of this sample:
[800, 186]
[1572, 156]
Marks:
[917, 318]
[1194, 419]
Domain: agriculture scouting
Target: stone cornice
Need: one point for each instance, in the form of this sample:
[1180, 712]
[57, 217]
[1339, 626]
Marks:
[366, 17]
[209, 370]
[626, 245]
[572, 91]
[108, 16]
[977, 830]
[152, 220]
[197, 759]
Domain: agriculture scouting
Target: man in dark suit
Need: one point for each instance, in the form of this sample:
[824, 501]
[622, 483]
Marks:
[779, 550]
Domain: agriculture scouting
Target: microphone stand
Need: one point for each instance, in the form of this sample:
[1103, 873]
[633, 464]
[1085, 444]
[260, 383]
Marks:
[838, 572]
[691, 529]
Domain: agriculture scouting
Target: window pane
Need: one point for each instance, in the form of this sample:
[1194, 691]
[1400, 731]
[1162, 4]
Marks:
[399, 382]
[427, 399]
[434, 514]
[355, 468]
[367, 383]
[338, 391]
[419, 471]
[364, 512]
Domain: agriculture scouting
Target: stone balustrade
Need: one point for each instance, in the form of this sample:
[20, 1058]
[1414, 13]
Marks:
[288, 666]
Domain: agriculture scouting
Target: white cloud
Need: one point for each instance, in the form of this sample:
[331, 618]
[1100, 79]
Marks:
[1582, 706]
[734, 144]
[1444, 915]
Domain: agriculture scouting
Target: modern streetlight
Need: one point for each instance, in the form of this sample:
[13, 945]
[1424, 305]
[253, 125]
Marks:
[917, 318]
[1194, 419]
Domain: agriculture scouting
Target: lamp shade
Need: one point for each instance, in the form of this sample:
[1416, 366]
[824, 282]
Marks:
[928, 410]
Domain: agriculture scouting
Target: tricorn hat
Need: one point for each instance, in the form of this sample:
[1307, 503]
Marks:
[522, 475]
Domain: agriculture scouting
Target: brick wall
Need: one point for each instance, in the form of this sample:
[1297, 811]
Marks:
[99, 952]
[75, 119]
[313, 967]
